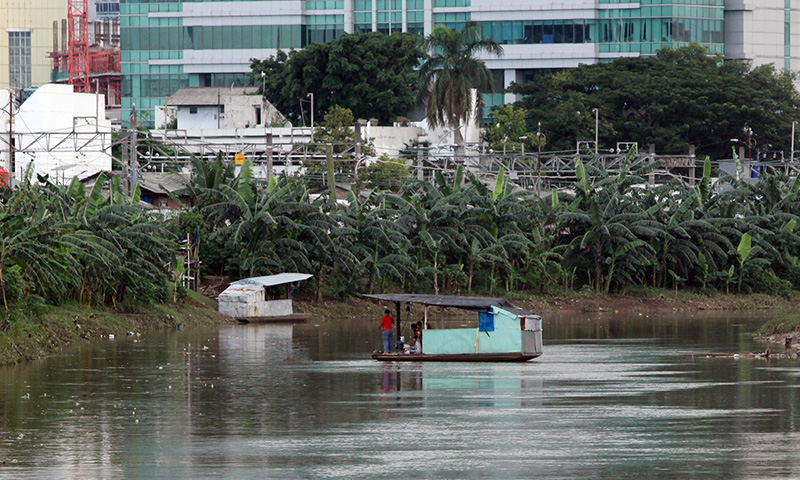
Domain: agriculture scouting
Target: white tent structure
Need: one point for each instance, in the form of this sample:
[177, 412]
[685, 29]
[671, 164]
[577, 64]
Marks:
[63, 134]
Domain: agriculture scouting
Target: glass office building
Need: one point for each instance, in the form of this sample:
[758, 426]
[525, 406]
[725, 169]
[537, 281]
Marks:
[168, 45]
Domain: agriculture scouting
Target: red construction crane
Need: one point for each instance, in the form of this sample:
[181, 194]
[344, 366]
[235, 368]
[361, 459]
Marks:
[78, 18]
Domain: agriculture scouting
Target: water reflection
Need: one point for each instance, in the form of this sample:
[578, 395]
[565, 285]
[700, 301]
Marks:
[610, 397]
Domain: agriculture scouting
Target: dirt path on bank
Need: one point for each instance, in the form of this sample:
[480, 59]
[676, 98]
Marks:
[663, 303]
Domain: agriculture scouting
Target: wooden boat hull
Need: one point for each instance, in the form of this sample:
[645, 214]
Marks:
[456, 357]
[296, 317]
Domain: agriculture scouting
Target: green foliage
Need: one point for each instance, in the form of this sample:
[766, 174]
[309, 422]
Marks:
[609, 232]
[447, 77]
[506, 129]
[336, 134]
[387, 174]
[336, 128]
[783, 324]
[371, 74]
[679, 97]
[60, 243]
[764, 280]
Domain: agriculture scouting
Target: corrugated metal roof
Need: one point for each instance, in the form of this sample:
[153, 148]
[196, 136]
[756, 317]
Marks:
[171, 181]
[467, 303]
[272, 280]
[194, 96]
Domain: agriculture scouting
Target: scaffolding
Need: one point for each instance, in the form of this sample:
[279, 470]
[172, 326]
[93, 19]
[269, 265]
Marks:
[90, 68]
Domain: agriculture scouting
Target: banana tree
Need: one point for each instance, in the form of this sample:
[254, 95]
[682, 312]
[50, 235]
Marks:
[743, 252]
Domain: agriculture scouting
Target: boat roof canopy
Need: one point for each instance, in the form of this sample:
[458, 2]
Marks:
[466, 303]
[272, 280]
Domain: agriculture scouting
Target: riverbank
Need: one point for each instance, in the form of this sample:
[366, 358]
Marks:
[39, 332]
[659, 301]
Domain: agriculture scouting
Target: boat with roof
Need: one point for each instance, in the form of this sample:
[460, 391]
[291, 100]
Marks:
[502, 332]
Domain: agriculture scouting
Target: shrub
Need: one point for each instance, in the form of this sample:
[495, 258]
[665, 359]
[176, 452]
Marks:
[764, 280]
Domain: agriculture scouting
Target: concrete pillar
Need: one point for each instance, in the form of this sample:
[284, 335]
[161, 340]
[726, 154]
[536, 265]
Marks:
[428, 15]
[349, 17]
[509, 76]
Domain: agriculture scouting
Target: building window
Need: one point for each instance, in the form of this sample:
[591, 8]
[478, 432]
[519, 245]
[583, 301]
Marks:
[192, 110]
[19, 59]
[107, 8]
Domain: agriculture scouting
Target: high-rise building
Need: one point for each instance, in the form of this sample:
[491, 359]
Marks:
[26, 37]
[169, 45]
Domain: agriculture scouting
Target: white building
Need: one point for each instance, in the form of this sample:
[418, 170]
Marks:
[207, 108]
[58, 133]
[761, 31]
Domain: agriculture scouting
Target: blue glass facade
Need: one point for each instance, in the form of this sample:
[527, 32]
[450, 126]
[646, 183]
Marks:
[167, 45]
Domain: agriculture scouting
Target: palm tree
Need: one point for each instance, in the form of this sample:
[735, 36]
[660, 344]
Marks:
[449, 75]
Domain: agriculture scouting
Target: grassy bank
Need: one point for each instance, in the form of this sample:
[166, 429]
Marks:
[36, 332]
[637, 299]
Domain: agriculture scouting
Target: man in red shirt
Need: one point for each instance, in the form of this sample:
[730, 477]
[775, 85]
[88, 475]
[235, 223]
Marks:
[386, 327]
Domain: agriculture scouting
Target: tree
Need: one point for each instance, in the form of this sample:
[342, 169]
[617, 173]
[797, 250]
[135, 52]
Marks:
[387, 174]
[448, 77]
[609, 228]
[506, 129]
[336, 128]
[371, 74]
[678, 98]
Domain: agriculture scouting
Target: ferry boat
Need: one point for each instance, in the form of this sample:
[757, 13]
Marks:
[502, 331]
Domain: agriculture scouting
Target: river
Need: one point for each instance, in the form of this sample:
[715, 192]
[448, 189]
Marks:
[611, 397]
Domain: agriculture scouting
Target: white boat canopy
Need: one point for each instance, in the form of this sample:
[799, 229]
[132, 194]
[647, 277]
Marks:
[272, 280]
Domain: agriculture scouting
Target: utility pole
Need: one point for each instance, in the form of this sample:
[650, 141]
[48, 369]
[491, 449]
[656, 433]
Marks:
[539, 162]
[420, 173]
[134, 138]
[357, 154]
[10, 137]
[311, 95]
[357, 139]
[331, 177]
[269, 156]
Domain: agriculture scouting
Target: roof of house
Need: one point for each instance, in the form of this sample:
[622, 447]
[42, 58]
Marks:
[345, 187]
[166, 182]
[198, 96]
[466, 303]
[272, 280]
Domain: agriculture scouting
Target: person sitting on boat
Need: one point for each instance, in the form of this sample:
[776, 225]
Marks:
[417, 327]
[386, 327]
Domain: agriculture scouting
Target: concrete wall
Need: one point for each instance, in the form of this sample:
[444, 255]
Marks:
[390, 140]
[62, 134]
[754, 30]
[245, 301]
[206, 117]
[238, 111]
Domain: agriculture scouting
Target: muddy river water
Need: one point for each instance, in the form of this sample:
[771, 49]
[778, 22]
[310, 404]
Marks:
[612, 397]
